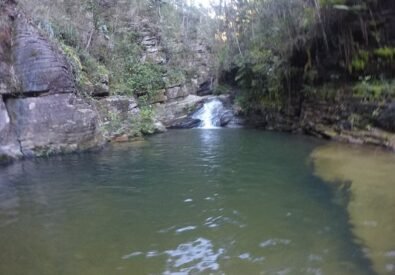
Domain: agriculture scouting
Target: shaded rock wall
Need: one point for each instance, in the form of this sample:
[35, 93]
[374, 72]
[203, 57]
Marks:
[345, 118]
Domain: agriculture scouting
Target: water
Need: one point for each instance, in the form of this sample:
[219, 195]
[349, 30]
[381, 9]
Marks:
[185, 202]
[210, 114]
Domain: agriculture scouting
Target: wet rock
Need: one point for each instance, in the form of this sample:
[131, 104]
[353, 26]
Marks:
[185, 123]
[386, 119]
[176, 92]
[226, 118]
[9, 146]
[51, 124]
[159, 127]
[171, 112]
[39, 66]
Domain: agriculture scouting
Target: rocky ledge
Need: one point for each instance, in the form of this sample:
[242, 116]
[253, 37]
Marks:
[345, 119]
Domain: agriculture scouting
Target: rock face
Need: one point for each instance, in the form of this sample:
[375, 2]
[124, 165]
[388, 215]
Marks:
[173, 114]
[39, 67]
[57, 123]
[176, 92]
[386, 119]
[122, 119]
[345, 119]
[40, 113]
[9, 146]
[7, 78]
[117, 116]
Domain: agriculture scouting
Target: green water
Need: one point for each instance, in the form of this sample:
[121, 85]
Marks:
[184, 202]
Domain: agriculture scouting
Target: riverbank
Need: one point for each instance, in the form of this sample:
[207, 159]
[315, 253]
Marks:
[337, 115]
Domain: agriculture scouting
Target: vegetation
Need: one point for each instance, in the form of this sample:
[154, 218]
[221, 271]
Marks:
[275, 51]
[118, 37]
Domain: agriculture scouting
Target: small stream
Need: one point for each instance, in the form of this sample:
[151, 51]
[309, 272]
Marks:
[229, 201]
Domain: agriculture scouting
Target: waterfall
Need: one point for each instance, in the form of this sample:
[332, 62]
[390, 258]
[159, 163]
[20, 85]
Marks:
[210, 114]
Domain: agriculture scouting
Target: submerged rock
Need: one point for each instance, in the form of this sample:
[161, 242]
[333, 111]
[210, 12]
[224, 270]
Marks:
[54, 124]
[369, 174]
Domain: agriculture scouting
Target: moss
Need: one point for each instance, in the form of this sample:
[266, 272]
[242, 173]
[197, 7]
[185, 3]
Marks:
[385, 53]
[174, 77]
[374, 90]
[144, 122]
[360, 61]
[74, 59]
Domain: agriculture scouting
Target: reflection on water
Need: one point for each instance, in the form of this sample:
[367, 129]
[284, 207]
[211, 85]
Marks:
[370, 174]
[211, 202]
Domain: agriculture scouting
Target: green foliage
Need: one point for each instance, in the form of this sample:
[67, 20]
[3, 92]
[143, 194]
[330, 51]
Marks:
[385, 53]
[143, 78]
[222, 89]
[374, 89]
[360, 61]
[174, 77]
[145, 122]
[74, 60]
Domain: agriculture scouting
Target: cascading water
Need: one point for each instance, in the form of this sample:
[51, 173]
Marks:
[210, 114]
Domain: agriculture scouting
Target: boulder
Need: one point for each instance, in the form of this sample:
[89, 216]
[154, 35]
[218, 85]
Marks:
[226, 118]
[101, 87]
[185, 123]
[9, 146]
[158, 97]
[176, 92]
[39, 66]
[386, 119]
[57, 123]
[117, 115]
[170, 113]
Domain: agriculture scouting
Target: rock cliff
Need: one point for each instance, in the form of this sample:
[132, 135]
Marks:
[40, 112]
[44, 110]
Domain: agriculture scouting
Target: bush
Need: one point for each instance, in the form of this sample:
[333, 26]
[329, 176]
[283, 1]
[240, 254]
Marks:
[143, 78]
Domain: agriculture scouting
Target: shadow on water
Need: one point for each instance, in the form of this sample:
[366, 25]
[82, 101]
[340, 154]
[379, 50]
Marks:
[365, 177]
[200, 201]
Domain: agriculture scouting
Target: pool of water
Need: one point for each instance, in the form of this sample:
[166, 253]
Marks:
[185, 202]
